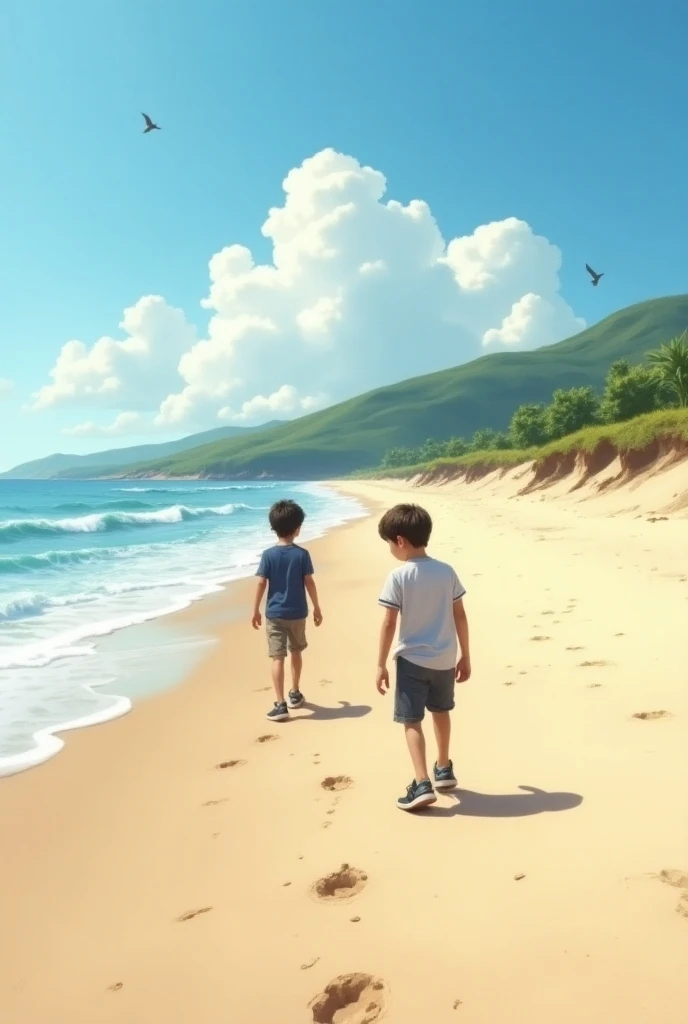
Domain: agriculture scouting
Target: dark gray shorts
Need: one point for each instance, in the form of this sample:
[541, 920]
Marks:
[419, 688]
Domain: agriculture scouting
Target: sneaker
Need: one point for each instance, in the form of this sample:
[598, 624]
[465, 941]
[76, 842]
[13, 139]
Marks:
[296, 699]
[418, 794]
[444, 777]
[279, 713]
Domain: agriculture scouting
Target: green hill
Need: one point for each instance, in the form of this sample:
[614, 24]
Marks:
[75, 467]
[354, 434]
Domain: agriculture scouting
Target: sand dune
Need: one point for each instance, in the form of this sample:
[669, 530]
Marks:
[651, 481]
[195, 862]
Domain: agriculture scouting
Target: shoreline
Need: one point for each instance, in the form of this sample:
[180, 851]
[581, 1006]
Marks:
[143, 865]
[88, 641]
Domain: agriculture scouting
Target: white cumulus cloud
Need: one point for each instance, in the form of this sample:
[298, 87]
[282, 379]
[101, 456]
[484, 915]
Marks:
[360, 291]
[135, 373]
[285, 403]
[123, 423]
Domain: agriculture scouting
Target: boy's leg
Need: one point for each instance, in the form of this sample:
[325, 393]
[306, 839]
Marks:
[416, 745]
[277, 649]
[297, 644]
[440, 703]
[278, 679]
[409, 708]
[442, 723]
[296, 666]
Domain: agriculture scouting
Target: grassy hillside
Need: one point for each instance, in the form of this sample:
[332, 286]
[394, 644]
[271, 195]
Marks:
[100, 463]
[670, 425]
[485, 392]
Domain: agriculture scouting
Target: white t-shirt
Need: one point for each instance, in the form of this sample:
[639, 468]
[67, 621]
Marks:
[424, 591]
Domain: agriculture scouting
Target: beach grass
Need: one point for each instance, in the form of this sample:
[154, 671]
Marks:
[631, 435]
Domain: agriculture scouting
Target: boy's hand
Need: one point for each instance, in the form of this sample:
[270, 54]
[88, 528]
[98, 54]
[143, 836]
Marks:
[317, 616]
[257, 620]
[382, 680]
[463, 670]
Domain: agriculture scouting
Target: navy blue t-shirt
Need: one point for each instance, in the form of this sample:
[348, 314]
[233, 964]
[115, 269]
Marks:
[284, 567]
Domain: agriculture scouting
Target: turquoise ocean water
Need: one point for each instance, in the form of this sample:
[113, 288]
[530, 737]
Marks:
[81, 560]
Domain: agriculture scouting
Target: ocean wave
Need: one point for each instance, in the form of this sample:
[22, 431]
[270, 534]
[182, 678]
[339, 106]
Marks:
[13, 530]
[11, 565]
[194, 490]
[77, 642]
[123, 505]
[27, 605]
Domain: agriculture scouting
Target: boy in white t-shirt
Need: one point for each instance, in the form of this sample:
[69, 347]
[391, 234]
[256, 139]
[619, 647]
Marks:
[427, 597]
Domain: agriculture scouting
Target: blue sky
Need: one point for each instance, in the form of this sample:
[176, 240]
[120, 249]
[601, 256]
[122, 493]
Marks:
[568, 117]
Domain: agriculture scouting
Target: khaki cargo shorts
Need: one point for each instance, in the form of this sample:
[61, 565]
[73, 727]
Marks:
[285, 634]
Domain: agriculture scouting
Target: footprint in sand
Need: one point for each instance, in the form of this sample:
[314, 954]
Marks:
[540, 638]
[326, 682]
[116, 987]
[349, 999]
[678, 880]
[214, 803]
[230, 764]
[262, 689]
[593, 664]
[650, 716]
[340, 885]
[575, 648]
[194, 913]
[674, 877]
[334, 783]
[268, 738]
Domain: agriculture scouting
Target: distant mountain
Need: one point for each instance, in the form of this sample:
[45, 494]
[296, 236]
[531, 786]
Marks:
[455, 402]
[101, 463]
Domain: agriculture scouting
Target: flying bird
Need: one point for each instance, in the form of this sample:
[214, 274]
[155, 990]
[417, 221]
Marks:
[150, 125]
[595, 277]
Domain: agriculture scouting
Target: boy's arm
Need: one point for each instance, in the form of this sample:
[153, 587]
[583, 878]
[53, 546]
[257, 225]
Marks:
[390, 600]
[257, 619]
[463, 669]
[263, 574]
[312, 592]
[387, 631]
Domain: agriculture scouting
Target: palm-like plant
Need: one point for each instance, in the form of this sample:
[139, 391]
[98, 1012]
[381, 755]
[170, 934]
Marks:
[671, 360]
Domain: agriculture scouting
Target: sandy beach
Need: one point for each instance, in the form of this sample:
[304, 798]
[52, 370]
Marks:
[173, 865]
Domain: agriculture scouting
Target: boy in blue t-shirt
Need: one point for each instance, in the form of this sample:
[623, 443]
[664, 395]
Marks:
[286, 570]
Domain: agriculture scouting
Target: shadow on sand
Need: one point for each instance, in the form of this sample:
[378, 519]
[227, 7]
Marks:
[321, 714]
[505, 805]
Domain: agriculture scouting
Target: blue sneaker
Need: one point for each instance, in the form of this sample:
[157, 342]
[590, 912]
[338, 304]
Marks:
[444, 777]
[296, 699]
[279, 713]
[418, 794]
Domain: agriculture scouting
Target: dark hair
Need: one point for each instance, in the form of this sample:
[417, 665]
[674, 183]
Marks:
[286, 517]
[411, 522]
